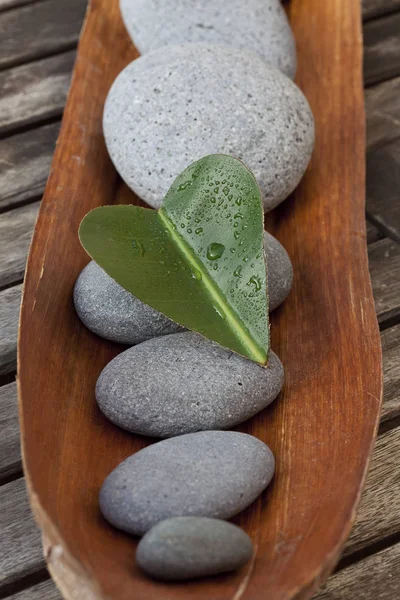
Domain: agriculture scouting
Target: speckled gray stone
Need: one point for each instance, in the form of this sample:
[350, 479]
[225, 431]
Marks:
[206, 474]
[187, 547]
[175, 105]
[279, 270]
[112, 312]
[258, 25]
[182, 383]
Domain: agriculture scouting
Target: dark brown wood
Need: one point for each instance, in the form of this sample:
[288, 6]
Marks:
[377, 8]
[9, 311]
[20, 551]
[34, 92]
[25, 164]
[382, 49]
[16, 227]
[383, 113]
[10, 457]
[372, 578]
[383, 188]
[40, 29]
[326, 335]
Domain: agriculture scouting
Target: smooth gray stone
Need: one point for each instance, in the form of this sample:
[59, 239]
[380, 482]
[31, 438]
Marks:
[206, 474]
[257, 25]
[175, 105]
[279, 271]
[113, 313]
[187, 547]
[183, 383]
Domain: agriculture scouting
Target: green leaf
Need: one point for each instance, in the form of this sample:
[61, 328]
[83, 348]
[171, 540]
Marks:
[200, 259]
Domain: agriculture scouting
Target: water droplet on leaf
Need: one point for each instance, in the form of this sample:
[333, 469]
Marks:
[215, 250]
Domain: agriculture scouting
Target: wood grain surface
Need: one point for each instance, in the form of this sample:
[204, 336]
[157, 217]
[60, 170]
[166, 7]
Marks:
[34, 92]
[25, 164]
[382, 49]
[38, 30]
[323, 425]
[9, 311]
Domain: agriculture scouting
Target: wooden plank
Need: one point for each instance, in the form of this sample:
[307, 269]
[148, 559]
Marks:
[383, 188]
[34, 92]
[391, 373]
[7, 4]
[382, 49]
[25, 164]
[9, 313]
[374, 578]
[373, 233]
[42, 591]
[384, 266]
[10, 456]
[16, 227]
[377, 8]
[38, 30]
[377, 517]
[383, 113]
[20, 539]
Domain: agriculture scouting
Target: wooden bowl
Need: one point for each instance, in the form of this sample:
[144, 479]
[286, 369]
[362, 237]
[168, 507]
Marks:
[323, 425]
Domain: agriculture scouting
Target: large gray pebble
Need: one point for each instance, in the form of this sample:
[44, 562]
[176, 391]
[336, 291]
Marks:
[206, 474]
[187, 547]
[279, 271]
[175, 105]
[183, 383]
[258, 25]
[110, 311]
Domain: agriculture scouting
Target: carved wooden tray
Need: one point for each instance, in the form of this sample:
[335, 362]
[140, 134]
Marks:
[323, 425]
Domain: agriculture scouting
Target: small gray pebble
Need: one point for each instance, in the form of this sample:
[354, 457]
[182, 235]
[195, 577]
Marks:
[279, 271]
[187, 547]
[182, 383]
[206, 474]
[258, 25]
[175, 105]
[112, 312]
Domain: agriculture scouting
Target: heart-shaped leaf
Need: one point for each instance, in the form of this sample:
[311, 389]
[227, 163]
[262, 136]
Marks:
[200, 259]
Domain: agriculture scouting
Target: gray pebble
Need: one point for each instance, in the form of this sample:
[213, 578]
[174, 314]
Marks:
[175, 105]
[257, 25]
[280, 271]
[187, 547]
[112, 312]
[182, 383]
[205, 474]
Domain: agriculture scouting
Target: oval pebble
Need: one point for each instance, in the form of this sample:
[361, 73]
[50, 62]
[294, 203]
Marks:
[258, 25]
[175, 105]
[187, 547]
[182, 383]
[279, 271]
[113, 313]
[206, 474]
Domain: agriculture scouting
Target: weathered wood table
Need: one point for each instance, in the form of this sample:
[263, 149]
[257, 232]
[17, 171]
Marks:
[37, 49]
